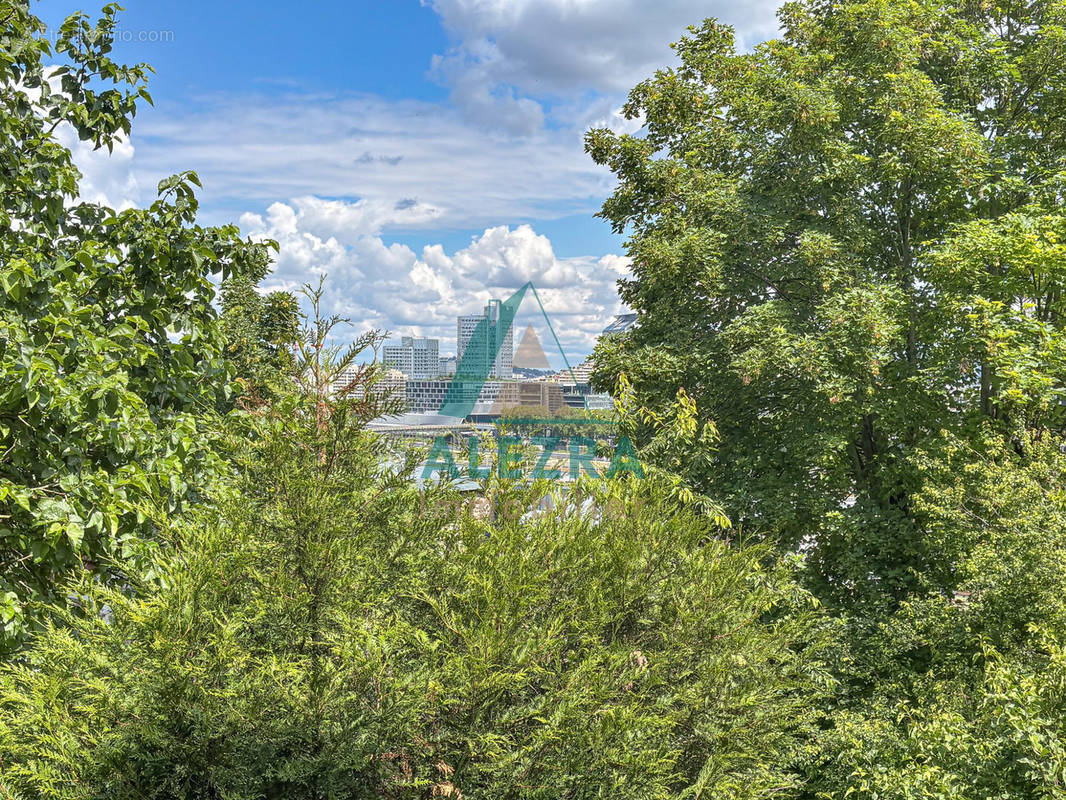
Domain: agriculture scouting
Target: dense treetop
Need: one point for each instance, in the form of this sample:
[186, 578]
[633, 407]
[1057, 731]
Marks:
[848, 253]
[111, 356]
[848, 250]
[841, 576]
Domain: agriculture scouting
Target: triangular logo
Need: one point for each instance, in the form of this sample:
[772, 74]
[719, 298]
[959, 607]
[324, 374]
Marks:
[530, 355]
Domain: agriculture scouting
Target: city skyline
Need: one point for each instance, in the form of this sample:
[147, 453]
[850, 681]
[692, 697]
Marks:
[386, 150]
[466, 323]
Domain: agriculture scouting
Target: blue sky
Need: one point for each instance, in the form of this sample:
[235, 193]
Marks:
[426, 155]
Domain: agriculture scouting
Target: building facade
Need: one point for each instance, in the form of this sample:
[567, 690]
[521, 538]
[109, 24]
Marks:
[482, 347]
[393, 387]
[429, 396]
[528, 394]
[418, 359]
[350, 382]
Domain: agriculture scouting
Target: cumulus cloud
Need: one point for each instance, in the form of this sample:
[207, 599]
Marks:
[349, 221]
[393, 287]
[515, 52]
[107, 177]
[527, 77]
[453, 176]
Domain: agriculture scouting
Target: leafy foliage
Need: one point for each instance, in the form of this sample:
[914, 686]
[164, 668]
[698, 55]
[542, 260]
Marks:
[331, 631]
[846, 380]
[111, 357]
[845, 249]
[847, 256]
[260, 333]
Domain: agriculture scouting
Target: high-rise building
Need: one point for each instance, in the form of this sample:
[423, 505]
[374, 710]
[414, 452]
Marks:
[485, 345]
[418, 359]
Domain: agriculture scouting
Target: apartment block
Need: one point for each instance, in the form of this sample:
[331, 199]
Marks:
[543, 394]
[418, 359]
[429, 395]
[481, 348]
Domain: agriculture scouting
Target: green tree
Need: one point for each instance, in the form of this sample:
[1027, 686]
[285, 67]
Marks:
[111, 356]
[846, 249]
[847, 256]
[335, 633]
[330, 630]
[261, 332]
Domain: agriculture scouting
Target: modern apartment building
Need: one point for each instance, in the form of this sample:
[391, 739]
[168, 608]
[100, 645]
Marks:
[429, 396]
[527, 394]
[485, 346]
[581, 374]
[418, 359]
[576, 388]
[391, 385]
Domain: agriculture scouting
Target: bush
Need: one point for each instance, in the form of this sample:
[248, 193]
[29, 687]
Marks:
[333, 632]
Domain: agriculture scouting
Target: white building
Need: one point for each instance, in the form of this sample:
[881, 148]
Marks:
[349, 382]
[464, 333]
[393, 386]
[418, 359]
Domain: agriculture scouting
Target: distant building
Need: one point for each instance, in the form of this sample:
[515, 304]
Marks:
[577, 389]
[418, 359]
[580, 375]
[484, 347]
[447, 366]
[429, 395]
[530, 393]
[573, 395]
[393, 386]
[345, 380]
[599, 402]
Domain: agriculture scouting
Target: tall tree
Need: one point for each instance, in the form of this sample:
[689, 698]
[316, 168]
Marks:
[110, 350]
[846, 248]
[261, 333]
[848, 252]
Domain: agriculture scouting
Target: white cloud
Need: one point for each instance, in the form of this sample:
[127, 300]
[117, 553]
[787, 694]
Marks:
[391, 286]
[485, 102]
[107, 178]
[436, 183]
[527, 77]
[516, 50]
[347, 221]
[414, 165]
